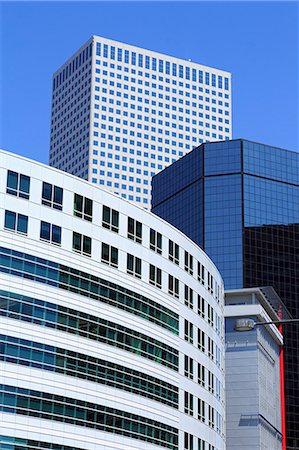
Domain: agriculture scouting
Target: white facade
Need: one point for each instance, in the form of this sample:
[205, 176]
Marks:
[92, 356]
[120, 114]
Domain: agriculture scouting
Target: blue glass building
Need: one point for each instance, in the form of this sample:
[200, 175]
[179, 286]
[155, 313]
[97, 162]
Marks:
[239, 201]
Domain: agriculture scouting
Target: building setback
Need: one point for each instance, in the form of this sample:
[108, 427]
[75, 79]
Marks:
[112, 330]
[239, 201]
[120, 114]
[252, 373]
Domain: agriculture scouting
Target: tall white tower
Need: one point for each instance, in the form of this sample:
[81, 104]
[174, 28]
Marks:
[120, 114]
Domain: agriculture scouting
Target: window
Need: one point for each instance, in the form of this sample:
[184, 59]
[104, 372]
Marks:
[188, 263]
[173, 286]
[210, 315]
[210, 283]
[201, 306]
[50, 233]
[211, 417]
[134, 266]
[210, 348]
[200, 273]
[188, 297]
[201, 340]
[110, 219]
[188, 404]
[155, 276]
[210, 382]
[18, 184]
[201, 444]
[201, 375]
[155, 241]
[188, 441]
[188, 367]
[201, 413]
[109, 255]
[83, 207]
[134, 230]
[81, 244]
[52, 196]
[16, 222]
[188, 331]
[173, 252]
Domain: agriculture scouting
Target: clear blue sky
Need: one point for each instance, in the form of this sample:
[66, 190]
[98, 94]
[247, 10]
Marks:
[256, 41]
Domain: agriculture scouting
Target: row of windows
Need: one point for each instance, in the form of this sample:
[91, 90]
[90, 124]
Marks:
[14, 443]
[85, 414]
[193, 443]
[52, 196]
[88, 285]
[46, 357]
[160, 65]
[90, 327]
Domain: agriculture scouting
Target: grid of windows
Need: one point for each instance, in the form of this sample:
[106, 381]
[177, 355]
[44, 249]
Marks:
[78, 365]
[82, 413]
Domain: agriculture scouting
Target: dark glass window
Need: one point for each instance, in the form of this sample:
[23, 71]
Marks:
[18, 184]
[134, 230]
[82, 244]
[155, 276]
[109, 255]
[110, 219]
[83, 207]
[16, 222]
[50, 232]
[155, 241]
[134, 265]
[52, 196]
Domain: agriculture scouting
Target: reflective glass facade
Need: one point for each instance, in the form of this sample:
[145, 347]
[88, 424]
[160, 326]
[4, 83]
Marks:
[246, 196]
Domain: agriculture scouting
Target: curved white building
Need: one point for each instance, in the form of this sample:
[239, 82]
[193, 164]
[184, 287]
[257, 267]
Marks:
[111, 321]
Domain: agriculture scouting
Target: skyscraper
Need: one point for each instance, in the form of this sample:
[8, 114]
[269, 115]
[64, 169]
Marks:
[239, 201]
[120, 114]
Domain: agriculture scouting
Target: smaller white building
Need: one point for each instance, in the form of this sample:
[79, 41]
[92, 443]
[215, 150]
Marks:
[252, 372]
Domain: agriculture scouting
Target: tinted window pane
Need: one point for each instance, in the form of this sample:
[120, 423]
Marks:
[10, 220]
[47, 191]
[45, 230]
[22, 223]
[56, 234]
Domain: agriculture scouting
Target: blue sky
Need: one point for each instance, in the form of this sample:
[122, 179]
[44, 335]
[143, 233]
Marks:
[256, 41]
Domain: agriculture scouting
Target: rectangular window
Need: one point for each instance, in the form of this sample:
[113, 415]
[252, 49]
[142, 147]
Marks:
[211, 417]
[52, 196]
[188, 263]
[83, 207]
[110, 219]
[109, 255]
[147, 62]
[201, 306]
[210, 348]
[201, 340]
[133, 58]
[50, 233]
[210, 315]
[200, 76]
[140, 60]
[201, 273]
[188, 297]
[201, 410]
[207, 78]
[201, 375]
[210, 283]
[16, 222]
[173, 286]
[188, 441]
[210, 382]
[119, 54]
[201, 444]
[161, 65]
[134, 266]
[174, 252]
[134, 230]
[105, 51]
[188, 331]
[126, 56]
[112, 52]
[213, 80]
[81, 244]
[18, 184]
[188, 367]
[219, 81]
[188, 404]
[155, 241]
[154, 63]
[226, 84]
[155, 276]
